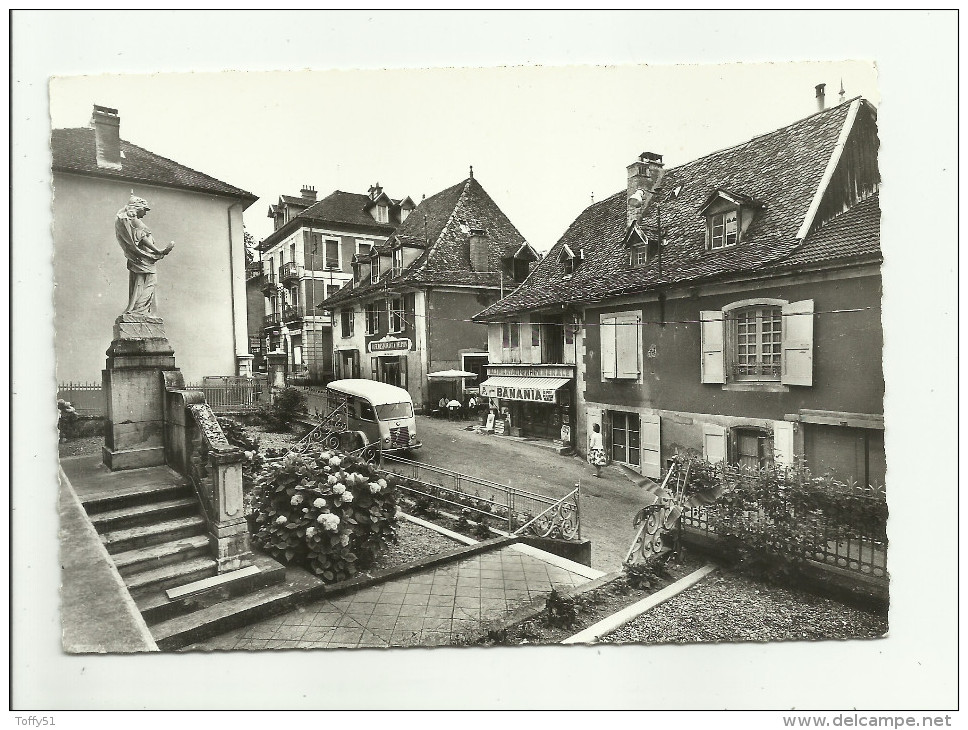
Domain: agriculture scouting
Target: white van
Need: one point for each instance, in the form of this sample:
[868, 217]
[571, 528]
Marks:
[376, 411]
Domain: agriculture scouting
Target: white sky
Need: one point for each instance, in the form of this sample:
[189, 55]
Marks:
[541, 139]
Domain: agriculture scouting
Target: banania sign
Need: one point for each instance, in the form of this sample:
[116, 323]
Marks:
[540, 395]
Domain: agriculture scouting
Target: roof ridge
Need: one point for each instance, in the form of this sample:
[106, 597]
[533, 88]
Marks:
[180, 164]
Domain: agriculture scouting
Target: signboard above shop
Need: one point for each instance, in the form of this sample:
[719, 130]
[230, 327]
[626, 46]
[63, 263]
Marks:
[539, 390]
[391, 345]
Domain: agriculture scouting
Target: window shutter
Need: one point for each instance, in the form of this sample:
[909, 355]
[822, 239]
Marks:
[650, 446]
[607, 335]
[797, 343]
[714, 442]
[783, 443]
[713, 363]
[356, 363]
[337, 365]
[627, 338]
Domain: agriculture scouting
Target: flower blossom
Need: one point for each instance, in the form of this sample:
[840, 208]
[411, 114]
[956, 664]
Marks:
[348, 497]
[338, 489]
[310, 531]
[319, 503]
[296, 500]
[335, 461]
[328, 521]
[281, 520]
[331, 479]
[374, 488]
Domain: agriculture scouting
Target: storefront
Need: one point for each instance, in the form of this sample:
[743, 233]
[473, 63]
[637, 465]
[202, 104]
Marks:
[535, 400]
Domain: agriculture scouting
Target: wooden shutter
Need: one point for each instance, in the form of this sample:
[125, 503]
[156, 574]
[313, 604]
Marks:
[712, 333]
[714, 442]
[651, 446]
[783, 443]
[797, 343]
[337, 365]
[356, 363]
[627, 340]
[607, 335]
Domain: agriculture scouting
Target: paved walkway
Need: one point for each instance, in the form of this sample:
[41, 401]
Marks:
[430, 608]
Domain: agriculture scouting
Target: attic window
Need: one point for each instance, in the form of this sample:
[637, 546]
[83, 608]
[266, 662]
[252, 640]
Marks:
[568, 260]
[375, 270]
[723, 229]
[397, 262]
[381, 213]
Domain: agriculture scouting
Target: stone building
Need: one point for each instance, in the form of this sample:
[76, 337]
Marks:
[728, 307]
[201, 290]
[308, 257]
[406, 312]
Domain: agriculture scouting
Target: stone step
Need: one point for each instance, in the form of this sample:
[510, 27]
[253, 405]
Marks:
[155, 606]
[166, 553]
[166, 489]
[169, 576]
[119, 541]
[180, 631]
[141, 514]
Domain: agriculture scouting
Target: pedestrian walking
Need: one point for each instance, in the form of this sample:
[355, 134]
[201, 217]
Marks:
[596, 450]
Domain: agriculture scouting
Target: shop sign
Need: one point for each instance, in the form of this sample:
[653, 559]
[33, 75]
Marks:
[391, 344]
[539, 395]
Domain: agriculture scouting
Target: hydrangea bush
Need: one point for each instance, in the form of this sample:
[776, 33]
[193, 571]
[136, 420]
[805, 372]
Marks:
[328, 511]
[67, 419]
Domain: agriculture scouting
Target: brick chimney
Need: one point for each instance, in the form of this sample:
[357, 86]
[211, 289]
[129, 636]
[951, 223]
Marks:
[308, 192]
[375, 191]
[820, 96]
[107, 128]
[644, 176]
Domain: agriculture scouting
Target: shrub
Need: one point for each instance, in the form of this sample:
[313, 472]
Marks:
[648, 573]
[67, 419]
[281, 414]
[327, 511]
[463, 525]
[560, 610]
[482, 531]
[237, 435]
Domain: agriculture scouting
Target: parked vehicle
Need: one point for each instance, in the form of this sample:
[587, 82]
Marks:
[376, 412]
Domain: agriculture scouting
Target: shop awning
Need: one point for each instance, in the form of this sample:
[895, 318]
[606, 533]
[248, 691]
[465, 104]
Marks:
[540, 390]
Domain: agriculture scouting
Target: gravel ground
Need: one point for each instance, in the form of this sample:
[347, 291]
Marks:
[81, 447]
[593, 606]
[729, 607]
[272, 440]
[413, 542]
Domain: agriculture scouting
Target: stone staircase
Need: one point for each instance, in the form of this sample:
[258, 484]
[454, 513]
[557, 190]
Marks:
[156, 535]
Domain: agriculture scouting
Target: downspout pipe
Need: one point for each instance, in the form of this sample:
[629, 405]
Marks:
[235, 340]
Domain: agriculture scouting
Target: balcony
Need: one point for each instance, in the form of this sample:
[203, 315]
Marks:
[273, 319]
[293, 313]
[253, 270]
[268, 283]
[289, 272]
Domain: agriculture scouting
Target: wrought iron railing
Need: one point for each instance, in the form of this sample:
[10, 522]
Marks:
[291, 313]
[269, 283]
[519, 510]
[288, 271]
[756, 369]
[273, 319]
[823, 538]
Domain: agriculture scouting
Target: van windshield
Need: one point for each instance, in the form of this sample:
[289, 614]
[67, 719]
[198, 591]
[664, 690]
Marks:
[391, 411]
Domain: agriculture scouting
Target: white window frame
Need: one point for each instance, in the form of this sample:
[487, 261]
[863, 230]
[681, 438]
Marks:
[347, 332]
[748, 329]
[396, 264]
[723, 240]
[339, 253]
[396, 316]
[364, 241]
[371, 308]
[374, 269]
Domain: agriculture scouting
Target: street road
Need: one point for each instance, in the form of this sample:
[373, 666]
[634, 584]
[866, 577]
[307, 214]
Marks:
[607, 504]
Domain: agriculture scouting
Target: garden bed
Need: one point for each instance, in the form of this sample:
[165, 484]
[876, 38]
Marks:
[591, 606]
[414, 542]
[729, 607]
[84, 446]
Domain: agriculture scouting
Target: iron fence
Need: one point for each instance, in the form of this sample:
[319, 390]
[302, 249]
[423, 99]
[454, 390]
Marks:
[223, 394]
[87, 398]
[823, 537]
[518, 509]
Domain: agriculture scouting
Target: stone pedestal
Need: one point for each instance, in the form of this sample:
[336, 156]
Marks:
[138, 362]
[277, 369]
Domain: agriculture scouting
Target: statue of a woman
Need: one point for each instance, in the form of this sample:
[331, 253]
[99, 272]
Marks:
[140, 250]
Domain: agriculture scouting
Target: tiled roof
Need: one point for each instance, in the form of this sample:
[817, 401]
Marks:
[296, 200]
[442, 223]
[781, 169]
[854, 233]
[73, 150]
[341, 207]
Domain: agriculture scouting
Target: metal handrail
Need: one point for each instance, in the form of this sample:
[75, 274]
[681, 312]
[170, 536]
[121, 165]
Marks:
[537, 517]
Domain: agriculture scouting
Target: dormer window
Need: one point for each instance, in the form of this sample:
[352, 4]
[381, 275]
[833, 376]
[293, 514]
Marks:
[382, 214]
[723, 229]
[728, 215]
[642, 243]
[569, 260]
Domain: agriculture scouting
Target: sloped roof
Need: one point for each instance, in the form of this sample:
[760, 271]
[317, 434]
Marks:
[782, 169]
[74, 150]
[442, 223]
[342, 207]
[854, 233]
